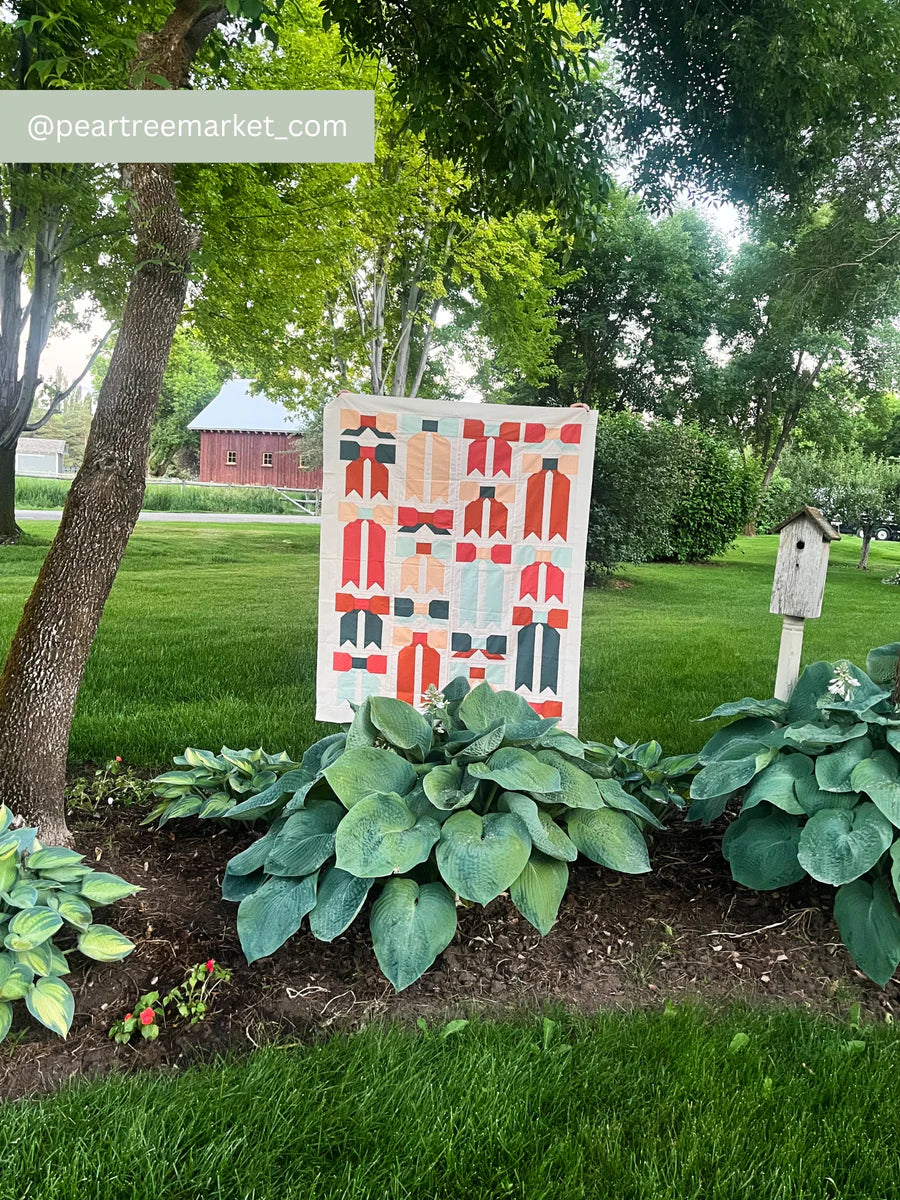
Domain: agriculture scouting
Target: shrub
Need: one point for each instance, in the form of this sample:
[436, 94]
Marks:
[474, 797]
[719, 494]
[818, 782]
[45, 891]
[213, 784]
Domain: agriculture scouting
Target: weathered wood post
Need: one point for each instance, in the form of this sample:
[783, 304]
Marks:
[804, 544]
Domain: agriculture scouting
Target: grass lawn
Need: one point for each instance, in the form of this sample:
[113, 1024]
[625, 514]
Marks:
[209, 637]
[649, 1106]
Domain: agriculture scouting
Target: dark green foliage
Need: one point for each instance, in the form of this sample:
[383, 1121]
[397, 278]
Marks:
[719, 495]
[475, 797]
[818, 779]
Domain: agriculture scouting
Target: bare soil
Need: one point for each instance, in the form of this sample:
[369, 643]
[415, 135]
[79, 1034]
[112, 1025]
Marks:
[684, 932]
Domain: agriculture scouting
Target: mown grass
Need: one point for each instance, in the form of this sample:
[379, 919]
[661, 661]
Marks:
[645, 1106]
[209, 638]
[162, 497]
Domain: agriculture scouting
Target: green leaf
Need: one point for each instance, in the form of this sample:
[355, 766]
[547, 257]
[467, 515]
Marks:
[811, 687]
[813, 799]
[42, 960]
[610, 838]
[269, 797]
[50, 1001]
[204, 758]
[578, 789]
[216, 806]
[252, 859]
[442, 787]
[864, 696]
[15, 978]
[480, 856]
[749, 729]
[878, 777]
[23, 895]
[776, 784]
[401, 725]
[273, 913]
[6, 1016]
[364, 770]
[811, 733]
[104, 944]
[613, 794]
[103, 888]
[483, 707]
[362, 732]
[881, 662]
[380, 836]
[305, 840]
[774, 710]
[834, 770]
[679, 764]
[338, 902]
[538, 891]
[410, 926]
[30, 927]
[895, 868]
[481, 747]
[724, 777]
[9, 870]
[544, 832]
[237, 887]
[761, 847]
[839, 845]
[50, 857]
[867, 917]
[517, 770]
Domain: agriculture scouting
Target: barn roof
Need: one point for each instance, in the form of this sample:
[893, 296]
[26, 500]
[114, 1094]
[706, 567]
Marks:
[30, 445]
[237, 410]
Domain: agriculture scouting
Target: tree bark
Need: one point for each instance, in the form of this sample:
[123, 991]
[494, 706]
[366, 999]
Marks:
[863, 564]
[42, 676]
[9, 530]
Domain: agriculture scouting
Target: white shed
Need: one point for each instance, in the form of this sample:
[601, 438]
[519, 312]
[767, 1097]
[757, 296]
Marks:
[40, 456]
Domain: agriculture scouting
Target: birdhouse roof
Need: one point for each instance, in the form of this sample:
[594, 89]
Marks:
[828, 531]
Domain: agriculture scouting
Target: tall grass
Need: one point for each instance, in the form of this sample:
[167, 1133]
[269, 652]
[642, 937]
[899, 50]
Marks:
[645, 1106]
[34, 493]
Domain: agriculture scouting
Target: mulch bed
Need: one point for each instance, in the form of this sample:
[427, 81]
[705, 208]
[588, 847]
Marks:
[684, 932]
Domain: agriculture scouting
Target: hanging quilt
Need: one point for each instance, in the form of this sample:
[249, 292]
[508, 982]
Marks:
[453, 543]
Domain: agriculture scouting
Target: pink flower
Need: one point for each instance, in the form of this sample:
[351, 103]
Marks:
[148, 1016]
[210, 964]
[118, 758]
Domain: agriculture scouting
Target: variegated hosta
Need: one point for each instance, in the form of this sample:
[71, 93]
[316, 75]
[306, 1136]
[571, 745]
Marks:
[818, 781]
[475, 797]
[210, 785]
[47, 901]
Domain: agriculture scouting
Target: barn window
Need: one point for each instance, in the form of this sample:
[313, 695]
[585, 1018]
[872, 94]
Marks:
[267, 459]
[231, 458]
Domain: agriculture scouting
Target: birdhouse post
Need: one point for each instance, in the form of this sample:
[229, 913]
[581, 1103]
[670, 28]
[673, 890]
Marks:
[803, 547]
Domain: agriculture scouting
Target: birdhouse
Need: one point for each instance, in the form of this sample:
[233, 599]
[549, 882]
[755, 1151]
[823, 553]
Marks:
[803, 547]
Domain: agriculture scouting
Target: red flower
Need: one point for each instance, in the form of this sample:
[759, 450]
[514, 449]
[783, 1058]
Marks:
[128, 1016]
[148, 1016]
[210, 964]
[118, 758]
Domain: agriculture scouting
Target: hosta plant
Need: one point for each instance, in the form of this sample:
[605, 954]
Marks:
[475, 797]
[210, 785]
[47, 901]
[643, 771]
[817, 780]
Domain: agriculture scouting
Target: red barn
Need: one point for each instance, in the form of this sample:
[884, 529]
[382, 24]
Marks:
[252, 440]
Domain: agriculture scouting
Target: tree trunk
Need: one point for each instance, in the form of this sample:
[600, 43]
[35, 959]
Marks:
[46, 662]
[9, 530]
[863, 564]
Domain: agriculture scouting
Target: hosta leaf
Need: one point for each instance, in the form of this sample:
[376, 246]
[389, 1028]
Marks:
[748, 729]
[881, 663]
[544, 832]
[538, 891]
[724, 777]
[613, 794]
[411, 925]
[865, 695]
[483, 707]
[103, 888]
[776, 784]
[578, 789]
[364, 770]
[30, 927]
[323, 753]
[380, 836]
[50, 1002]
[237, 887]
[479, 748]
[839, 845]
[761, 847]
[362, 732]
[610, 838]
[9, 871]
[252, 859]
[530, 733]
[833, 771]
[23, 895]
[185, 806]
[290, 782]
[338, 902]
[866, 914]
[15, 978]
[456, 689]
[895, 868]
[42, 960]
[216, 806]
[878, 777]
[517, 770]
[401, 725]
[480, 856]
[678, 764]
[564, 743]
[811, 733]
[305, 840]
[104, 944]
[811, 687]
[442, 787]
[53, 856]
[813, 799]
[6, 1016]
[204, 758]
[273, 913]
[775, 710]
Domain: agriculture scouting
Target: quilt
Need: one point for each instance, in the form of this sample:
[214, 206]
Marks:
[452, 544]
